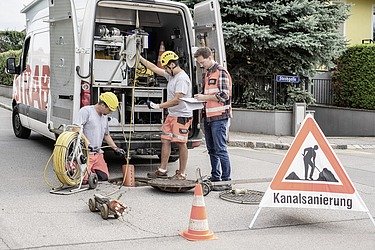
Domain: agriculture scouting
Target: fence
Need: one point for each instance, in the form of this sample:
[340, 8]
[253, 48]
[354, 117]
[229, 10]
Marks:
[322, 91]
[265, 88]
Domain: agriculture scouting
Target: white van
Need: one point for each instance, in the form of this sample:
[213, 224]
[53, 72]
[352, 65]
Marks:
[74, 51]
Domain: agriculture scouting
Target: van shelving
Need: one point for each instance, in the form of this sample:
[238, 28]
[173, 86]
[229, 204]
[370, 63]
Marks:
[73, 52]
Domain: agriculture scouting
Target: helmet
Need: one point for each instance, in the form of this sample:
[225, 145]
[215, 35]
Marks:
[110, 99]
[168, 56]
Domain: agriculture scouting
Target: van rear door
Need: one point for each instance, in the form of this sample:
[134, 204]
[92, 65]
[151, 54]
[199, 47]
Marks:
[62, 61]
[208, 31]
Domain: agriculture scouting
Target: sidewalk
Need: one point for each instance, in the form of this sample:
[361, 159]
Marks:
[238, 139]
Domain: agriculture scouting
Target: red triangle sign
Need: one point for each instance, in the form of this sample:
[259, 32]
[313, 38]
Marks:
[287, 180]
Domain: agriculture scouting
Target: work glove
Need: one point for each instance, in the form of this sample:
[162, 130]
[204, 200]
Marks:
[93, 149]
[120, 151]
[152, 105]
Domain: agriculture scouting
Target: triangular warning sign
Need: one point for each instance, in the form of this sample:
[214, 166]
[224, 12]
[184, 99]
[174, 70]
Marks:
[303, 156]
[297, 184]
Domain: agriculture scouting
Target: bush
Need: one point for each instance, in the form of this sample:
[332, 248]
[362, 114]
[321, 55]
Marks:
[354, 78]
[5, 78]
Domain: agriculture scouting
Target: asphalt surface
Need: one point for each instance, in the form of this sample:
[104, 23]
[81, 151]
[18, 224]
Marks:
[32, 218]
[248, 140]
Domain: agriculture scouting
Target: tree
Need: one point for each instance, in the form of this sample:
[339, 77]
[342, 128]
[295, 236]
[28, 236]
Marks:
[280, 36]
[11, 40]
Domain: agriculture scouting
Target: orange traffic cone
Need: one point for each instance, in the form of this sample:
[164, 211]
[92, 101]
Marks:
[128, 175]
[161, 51]
[198, 224]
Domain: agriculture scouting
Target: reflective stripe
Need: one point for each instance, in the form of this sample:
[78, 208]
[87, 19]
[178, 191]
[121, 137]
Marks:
[198, 201]
[216, 109]
[180, 137]
[168, 134]
[211, 91]
[198, 225]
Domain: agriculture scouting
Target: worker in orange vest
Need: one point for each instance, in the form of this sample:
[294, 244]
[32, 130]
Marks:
[217, 94]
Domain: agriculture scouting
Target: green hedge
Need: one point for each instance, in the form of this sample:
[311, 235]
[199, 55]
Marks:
[5, 78]
[354, 78]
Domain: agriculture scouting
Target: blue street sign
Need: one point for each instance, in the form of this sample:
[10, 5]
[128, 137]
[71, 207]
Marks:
[288, 79]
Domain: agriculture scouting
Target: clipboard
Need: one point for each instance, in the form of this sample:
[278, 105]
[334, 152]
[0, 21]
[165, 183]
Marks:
[192, 103]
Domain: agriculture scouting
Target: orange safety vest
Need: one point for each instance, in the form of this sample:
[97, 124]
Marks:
[215, 110]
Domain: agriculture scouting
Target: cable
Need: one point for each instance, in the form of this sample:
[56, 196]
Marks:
[65, 154]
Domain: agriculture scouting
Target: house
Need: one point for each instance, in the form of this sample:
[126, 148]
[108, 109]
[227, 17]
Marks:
[360, 26]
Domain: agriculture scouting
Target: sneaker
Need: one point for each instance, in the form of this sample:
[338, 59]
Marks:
[212, 179]
[178, 176]
[222, 187]
[157, 174]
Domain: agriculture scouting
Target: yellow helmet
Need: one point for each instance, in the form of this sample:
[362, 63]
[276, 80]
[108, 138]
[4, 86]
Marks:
[168, 56]
[110, 99]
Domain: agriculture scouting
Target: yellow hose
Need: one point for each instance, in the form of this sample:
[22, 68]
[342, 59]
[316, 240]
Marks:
[68, 170]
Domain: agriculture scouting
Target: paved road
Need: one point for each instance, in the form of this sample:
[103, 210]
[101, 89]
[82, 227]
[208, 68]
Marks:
[31, 217]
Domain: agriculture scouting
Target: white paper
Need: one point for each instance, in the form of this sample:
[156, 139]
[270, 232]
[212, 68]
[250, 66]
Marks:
[192, 103]
[190, 100]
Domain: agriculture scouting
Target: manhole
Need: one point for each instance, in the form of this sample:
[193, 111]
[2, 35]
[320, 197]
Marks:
[243, 196]
[139, 181]
[172, 186]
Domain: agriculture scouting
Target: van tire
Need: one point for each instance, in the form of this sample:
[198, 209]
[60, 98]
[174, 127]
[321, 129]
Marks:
[19, 130]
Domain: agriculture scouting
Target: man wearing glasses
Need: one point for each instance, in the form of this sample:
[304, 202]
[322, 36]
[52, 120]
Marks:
[176, 126]
[217, 94]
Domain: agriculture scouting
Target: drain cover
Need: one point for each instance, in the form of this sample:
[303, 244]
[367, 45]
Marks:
[243, 196]
[172, 186]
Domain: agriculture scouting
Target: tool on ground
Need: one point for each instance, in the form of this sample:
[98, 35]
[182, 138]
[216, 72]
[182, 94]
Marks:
[70, 163]
[208, 185]
[198, 223]
[106, 206]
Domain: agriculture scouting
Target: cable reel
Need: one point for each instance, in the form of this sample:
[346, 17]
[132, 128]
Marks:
[70, 159]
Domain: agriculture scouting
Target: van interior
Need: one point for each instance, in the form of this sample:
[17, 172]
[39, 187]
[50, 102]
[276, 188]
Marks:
[153, 30]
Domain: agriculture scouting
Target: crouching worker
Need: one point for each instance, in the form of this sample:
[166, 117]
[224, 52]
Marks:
[94, 122]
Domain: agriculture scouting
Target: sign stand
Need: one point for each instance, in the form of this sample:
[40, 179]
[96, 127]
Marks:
[296, 184]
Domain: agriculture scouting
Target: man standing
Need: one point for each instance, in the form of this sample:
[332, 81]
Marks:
[217, 93]
[94, 122]
[176, 126]
[309, 156]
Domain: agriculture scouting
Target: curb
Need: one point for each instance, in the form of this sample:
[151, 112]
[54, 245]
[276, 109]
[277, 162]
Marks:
[284, 146]
[5, 106]
[258, 144]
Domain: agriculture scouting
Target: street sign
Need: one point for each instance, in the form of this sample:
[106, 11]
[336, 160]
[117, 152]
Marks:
[287, 79]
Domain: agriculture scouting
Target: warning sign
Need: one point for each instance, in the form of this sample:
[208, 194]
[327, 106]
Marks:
[311, 175]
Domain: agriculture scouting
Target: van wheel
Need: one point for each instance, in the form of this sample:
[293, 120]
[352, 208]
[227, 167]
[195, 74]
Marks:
[19, 130]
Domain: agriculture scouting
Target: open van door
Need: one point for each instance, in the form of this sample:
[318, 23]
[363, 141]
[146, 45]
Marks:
[208, 31]
[62, 61]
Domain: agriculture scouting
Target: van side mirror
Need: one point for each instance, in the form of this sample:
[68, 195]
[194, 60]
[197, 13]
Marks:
[11, 67]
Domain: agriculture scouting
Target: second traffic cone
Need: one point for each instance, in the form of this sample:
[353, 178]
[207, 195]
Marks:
[161, 51]
[128, 175]
[198, 224]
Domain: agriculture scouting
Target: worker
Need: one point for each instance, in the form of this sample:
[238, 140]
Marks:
[94, 122]
[176, 126]
[217, 92]
[309, 156]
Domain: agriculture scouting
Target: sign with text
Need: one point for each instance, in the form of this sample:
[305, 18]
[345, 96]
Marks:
[287, 79]
[311, 175]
